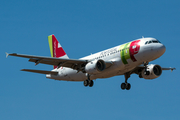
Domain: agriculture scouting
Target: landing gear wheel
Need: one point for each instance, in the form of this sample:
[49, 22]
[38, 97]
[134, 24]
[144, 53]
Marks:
[91, 83]
[86, 83]
[123, 86]
[128, 86]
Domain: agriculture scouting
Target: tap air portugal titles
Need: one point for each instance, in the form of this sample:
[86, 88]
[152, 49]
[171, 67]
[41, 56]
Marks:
[126, 59]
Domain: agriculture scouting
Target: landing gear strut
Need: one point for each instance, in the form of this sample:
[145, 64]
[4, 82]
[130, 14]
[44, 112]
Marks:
[126, 85]
[88, 81]
[145, 65]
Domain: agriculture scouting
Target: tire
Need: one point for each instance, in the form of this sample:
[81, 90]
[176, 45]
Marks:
[128, 86]
[86, 83]
[123, 86]
[91, 83]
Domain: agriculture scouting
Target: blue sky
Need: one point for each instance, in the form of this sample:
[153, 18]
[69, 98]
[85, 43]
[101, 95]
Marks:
[85, 27]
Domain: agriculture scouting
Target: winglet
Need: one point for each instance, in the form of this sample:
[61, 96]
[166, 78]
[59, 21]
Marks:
[7, 54]
[172, 69]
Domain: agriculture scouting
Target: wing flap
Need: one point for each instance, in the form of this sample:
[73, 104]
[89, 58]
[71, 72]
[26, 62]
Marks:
[46, 58]
[44, 61]
[64, 63]
[40, 71]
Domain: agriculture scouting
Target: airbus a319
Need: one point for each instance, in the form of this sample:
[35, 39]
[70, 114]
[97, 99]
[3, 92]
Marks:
[125, 59]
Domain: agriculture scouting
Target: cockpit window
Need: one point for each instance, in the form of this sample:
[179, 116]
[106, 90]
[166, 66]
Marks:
[158, 41]
[152, 41]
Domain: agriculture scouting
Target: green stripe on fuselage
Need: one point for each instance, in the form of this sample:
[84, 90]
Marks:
[125, 52]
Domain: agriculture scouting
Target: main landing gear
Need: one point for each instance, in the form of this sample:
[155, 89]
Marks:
[88, 81]
[126, 85]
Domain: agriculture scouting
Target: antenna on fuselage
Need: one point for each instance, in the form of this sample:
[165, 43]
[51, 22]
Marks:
[142, 36]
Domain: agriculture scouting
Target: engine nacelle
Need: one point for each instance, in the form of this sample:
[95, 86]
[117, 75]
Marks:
[154, 70]
[95, 66]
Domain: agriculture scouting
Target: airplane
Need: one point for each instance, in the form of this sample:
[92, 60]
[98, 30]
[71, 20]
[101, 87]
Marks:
[126, 59]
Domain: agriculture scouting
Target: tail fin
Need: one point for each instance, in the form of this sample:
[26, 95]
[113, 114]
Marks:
[56, 49]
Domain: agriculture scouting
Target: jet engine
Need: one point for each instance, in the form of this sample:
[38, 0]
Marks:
[154, 71]
[95, 66]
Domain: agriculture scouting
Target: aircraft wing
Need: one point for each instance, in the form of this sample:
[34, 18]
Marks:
[70, 63]
[140, 67]
[169, 68]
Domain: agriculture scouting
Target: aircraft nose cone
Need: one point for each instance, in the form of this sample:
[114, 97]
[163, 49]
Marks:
[162, 49]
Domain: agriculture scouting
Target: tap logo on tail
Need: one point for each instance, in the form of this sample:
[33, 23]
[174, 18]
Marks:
[56, 49]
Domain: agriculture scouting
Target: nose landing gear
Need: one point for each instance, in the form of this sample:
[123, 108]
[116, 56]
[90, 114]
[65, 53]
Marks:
[126, 85]
[145, 65]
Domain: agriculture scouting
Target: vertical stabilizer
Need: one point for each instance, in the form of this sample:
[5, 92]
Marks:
[56, 48]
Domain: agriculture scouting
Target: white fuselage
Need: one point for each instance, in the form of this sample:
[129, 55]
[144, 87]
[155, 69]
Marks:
[124, 58]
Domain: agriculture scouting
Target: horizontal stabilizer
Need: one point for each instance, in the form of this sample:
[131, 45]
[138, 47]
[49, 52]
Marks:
[40, 71]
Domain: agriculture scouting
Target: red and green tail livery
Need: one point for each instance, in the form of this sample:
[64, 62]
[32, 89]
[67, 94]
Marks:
[55, 48]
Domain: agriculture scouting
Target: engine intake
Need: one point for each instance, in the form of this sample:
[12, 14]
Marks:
[154, 70]
[95, 66]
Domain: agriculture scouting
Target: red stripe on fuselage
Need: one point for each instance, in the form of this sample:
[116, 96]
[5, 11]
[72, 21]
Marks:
[134, 49]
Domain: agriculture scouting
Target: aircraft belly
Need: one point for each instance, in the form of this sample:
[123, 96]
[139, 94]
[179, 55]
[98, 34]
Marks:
[68, 74]
[74, 75]
[114, 72]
